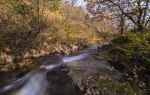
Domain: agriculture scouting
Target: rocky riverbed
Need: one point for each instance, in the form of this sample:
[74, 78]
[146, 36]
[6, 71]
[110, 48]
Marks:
[71, 80]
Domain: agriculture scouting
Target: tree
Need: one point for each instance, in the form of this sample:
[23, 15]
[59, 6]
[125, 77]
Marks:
[135, 11]
[21, 23]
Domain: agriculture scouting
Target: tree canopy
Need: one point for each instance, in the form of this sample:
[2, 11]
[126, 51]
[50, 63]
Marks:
[135, 11]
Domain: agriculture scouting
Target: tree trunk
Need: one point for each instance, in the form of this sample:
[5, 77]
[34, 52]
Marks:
[140, 28]
[122, 23]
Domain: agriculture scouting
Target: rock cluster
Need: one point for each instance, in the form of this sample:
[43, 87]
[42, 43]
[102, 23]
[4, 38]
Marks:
[89, 86]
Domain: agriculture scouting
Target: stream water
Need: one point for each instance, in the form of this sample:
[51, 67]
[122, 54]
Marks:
[36, 82]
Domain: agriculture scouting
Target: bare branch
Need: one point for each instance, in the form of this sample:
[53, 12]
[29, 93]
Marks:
[148, 20]
[145, 11]
[124, 13]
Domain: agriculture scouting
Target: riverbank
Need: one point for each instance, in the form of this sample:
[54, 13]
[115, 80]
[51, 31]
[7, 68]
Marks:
[81, 66]
[84, 75]
[129, 54]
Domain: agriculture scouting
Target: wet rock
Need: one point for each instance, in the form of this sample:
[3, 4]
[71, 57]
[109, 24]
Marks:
[3, 63]
[62, 84]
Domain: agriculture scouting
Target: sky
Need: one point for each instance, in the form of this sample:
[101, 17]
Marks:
[79, 3]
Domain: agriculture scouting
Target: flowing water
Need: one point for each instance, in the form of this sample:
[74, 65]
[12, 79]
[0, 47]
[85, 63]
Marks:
[36, 82]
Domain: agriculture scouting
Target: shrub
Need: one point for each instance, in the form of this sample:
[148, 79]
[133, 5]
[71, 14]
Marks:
[31, 28]
[20, 30]
[109, 86]
[132, 51]
[121, 40]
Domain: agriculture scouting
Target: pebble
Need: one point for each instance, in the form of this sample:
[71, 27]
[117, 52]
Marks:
[89, 85]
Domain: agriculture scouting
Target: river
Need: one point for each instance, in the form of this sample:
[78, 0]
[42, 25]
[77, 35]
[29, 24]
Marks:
[36, 82]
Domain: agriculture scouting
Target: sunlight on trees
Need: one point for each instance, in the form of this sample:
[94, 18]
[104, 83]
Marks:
[135, 11]
[34, 28]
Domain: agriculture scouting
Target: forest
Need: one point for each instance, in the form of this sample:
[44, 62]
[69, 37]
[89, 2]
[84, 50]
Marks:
[74, 47]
